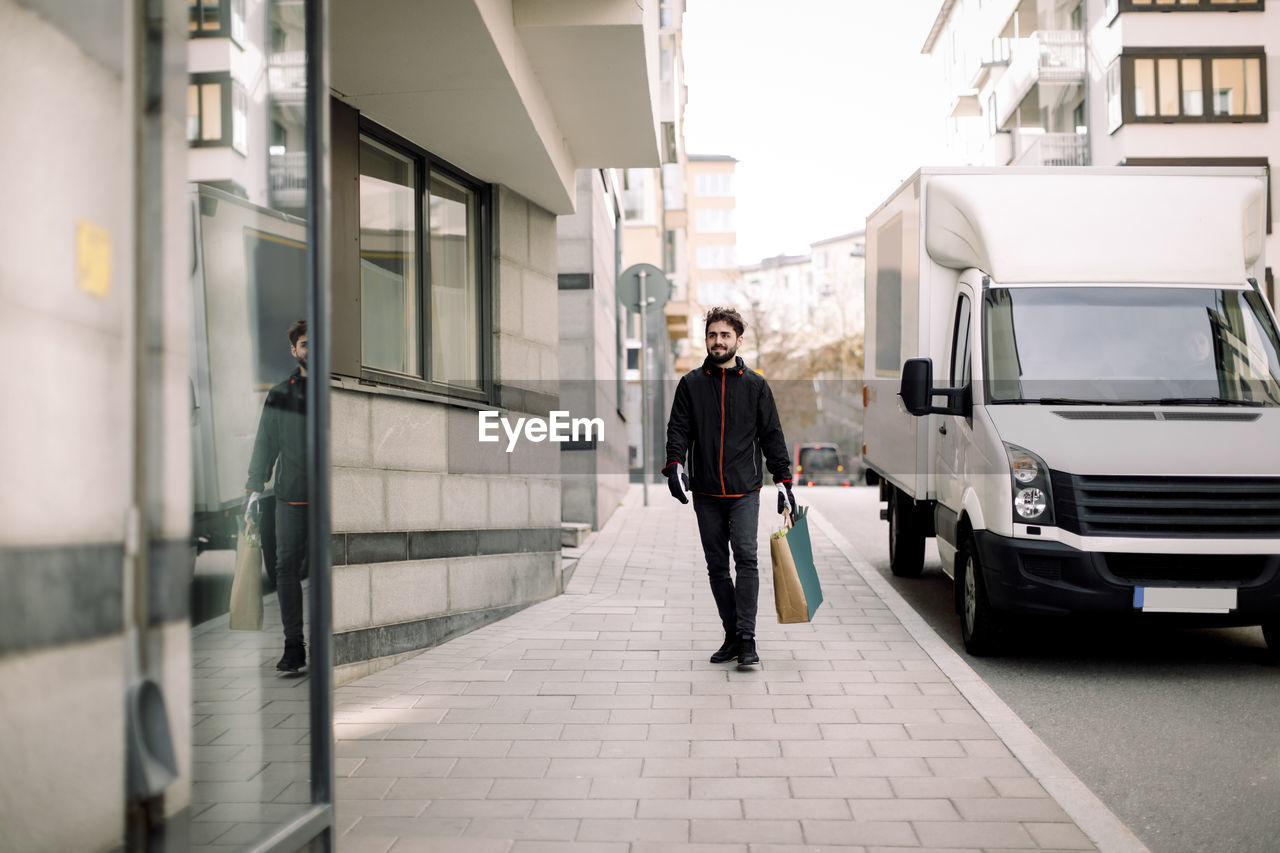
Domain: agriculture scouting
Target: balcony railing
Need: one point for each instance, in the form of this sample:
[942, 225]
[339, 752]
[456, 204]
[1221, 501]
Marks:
[1048, 57]
[287, 72]
[1051, 149]
[999, 52]
[1061, 55]
[288, 176]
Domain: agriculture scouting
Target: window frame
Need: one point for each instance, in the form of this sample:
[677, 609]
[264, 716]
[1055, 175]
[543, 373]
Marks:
[230, 89]
[425, 165]
[1199, 6]
[231, 20]
[960, 367]
[1206, 55]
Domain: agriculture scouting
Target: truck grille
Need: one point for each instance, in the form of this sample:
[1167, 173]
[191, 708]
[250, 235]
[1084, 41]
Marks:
[1230, 569]
[1175, 507]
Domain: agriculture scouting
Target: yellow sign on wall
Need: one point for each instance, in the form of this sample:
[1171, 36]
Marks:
[93, 258]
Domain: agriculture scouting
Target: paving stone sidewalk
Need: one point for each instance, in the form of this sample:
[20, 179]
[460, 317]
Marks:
[593, 722]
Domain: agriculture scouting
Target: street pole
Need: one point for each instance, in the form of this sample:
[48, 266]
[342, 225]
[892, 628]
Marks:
[644, 387]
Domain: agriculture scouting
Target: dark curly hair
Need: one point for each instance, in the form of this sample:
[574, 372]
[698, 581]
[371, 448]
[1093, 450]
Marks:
[297, 330]
[725, 314]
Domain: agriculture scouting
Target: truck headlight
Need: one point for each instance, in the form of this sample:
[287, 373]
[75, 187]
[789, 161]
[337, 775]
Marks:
[1030, 503]
[1032, 494]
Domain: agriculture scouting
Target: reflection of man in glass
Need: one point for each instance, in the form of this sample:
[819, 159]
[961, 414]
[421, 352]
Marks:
[282, 444]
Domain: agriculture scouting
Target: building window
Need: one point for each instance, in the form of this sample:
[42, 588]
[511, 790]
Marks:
[216, 19]
[715, 221]
[422, 279]
[389, 309]
[1170, 85]
[717, 257]
[1115, 110]
[452, 224]
[715, 185]
[239, 118]
[638, 196]
[1189, 5]
[217, 112]
[672, 186]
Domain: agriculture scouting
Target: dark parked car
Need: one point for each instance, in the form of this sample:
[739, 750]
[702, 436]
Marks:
[820, 464]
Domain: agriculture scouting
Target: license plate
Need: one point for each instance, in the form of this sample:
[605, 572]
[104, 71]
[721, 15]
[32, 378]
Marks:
[1169, 599]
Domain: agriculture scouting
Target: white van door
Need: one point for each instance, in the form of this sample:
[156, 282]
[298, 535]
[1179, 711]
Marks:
[954, 431]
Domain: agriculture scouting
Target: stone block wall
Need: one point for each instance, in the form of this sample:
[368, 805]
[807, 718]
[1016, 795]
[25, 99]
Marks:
[436, 533]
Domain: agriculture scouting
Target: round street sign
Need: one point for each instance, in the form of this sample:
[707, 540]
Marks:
[656, 286]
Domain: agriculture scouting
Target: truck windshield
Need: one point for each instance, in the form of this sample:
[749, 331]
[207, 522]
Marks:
[1130, 346]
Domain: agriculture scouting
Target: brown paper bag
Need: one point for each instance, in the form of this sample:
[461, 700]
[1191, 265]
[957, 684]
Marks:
[788, 594]
[246, 586]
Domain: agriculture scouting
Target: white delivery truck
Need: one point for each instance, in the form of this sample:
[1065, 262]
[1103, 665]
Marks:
[1073, 382]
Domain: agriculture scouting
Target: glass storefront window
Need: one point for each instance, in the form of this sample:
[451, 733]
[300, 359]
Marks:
[256, 678]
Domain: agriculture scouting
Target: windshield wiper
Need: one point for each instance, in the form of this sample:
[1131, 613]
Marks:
[1162, 401]
[1207, 401]
[1075, 401]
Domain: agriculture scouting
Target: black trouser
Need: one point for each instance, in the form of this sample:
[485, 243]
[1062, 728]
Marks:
[291, 548]
[725, 523]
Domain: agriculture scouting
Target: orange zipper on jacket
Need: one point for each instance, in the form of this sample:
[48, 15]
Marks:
[723, 373]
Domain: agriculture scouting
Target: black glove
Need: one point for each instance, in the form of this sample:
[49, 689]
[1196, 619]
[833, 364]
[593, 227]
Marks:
[678, 482]
[785, 496]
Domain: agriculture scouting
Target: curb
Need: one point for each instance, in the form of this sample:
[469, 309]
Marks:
[1093, 817]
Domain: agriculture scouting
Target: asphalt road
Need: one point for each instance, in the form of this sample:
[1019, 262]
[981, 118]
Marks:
[1177, 731]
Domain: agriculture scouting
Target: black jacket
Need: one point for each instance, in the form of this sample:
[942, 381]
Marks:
[722, 419]
[282, 442]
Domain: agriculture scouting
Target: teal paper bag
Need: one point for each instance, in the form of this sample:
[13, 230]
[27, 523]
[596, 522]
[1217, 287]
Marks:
[797, 592]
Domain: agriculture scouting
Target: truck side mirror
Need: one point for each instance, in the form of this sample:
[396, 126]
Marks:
[916, 390]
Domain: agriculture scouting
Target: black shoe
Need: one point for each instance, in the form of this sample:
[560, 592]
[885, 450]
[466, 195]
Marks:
[728, 651]
[295, 656]
[747, 652]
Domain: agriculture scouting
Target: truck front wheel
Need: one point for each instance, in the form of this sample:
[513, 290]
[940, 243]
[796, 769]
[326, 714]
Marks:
[979, 624]
[906, 537]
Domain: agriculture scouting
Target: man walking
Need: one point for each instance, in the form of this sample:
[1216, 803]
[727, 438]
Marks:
[282, 444]
[722, 419]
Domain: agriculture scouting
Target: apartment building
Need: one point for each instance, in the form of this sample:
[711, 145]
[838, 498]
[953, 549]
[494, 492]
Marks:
[655, 232]
[774, 298]
[839, 264]
[1109, 82]
[592, 352]
[713, 232]
[810, 300]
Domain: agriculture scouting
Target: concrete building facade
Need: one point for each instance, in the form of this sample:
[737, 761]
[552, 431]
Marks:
[592, 350]
[207, 173]
[655, 232]
[711, 202]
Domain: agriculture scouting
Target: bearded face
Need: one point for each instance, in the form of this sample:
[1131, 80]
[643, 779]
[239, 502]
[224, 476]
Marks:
[722, 342]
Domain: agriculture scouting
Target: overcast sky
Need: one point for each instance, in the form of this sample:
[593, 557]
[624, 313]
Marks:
[828, 105]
